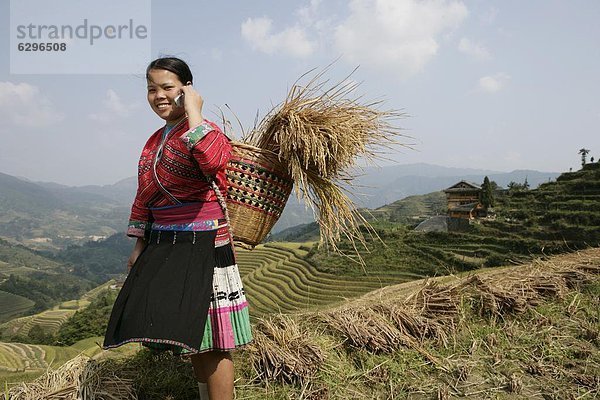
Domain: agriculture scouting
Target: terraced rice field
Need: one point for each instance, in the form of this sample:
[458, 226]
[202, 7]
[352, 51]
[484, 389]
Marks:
[12, 304]
[74, 304]
[21, 357]
[49, 320]
[15, 357]
[277, 279]
[92, 294]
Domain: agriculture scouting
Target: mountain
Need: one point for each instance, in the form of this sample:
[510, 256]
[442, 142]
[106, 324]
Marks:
[53, 216]
[22, 196]
[377, 187]
[60, 214]
[121, 193]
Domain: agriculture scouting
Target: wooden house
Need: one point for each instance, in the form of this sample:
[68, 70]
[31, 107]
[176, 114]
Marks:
[463, 201]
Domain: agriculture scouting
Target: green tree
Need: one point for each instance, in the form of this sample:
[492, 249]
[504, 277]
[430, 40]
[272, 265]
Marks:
[517, 187]
[584, 152]
[486, 196]
[38, 335]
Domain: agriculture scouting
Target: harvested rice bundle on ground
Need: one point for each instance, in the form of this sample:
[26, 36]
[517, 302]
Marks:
[412, 324]
[364, 328]
[436, 301]
[282, 351]
[320, 133]
[79, 378]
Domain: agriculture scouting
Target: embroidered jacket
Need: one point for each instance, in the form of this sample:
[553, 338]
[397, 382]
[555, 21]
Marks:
[176, 168]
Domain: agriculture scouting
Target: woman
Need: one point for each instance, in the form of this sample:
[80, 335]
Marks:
[183, 292]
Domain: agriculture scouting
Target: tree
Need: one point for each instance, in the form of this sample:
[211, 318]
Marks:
[486, 196]
[584, 152]
[517, 187]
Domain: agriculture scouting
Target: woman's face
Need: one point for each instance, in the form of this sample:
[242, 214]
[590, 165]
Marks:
[163, 87]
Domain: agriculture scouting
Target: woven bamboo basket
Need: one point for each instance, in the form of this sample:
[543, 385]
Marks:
[258, 187]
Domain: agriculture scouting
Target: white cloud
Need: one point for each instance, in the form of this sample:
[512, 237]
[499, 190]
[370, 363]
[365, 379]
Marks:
[114, 107]
[475, 50]
[493, 84]
[292, 40]
[398, 35]
[489, 17]
[24, 105]
[310, 13]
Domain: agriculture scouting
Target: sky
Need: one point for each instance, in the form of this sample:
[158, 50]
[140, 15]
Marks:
[497, 85]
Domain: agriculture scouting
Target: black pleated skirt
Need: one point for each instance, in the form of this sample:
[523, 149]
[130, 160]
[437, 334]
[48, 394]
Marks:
[166, 297]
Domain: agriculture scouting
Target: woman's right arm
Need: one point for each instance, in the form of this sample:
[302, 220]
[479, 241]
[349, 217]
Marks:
[140, 245]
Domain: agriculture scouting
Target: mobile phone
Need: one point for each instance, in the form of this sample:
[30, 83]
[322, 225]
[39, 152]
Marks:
[179, 100]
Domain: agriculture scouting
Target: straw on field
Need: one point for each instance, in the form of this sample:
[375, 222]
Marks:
[78, 379]
[282, 351]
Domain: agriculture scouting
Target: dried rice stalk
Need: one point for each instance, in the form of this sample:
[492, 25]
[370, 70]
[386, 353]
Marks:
[412, 324]
[492, 299]
[364, 328]
[436, 301]
[282, 351]
[319, 133]
[78, 379]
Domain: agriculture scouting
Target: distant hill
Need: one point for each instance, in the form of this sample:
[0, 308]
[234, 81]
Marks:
[377, 187]
[32, 281]
[557, 217]
[120, 193]
[53, 216]
[410, 211]
[97, 261]
[65, 214]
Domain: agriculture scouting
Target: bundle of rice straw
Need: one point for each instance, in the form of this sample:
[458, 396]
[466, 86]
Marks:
[80, 378]
[320, 133]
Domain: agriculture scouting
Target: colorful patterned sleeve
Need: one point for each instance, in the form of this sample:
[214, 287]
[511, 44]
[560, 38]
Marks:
[209, 146]
[139, 221]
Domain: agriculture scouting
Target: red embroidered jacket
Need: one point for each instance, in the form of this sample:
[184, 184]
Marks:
[175, 169]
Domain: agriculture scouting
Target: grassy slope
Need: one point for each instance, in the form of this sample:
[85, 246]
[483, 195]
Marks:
[546, 350]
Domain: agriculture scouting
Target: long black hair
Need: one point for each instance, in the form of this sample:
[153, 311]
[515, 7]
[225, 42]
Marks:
[173, 64]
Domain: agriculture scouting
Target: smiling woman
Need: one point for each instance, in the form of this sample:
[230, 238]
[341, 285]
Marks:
[183, 292]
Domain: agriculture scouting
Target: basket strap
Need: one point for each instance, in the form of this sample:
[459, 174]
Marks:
[220, 199]
[223, 204]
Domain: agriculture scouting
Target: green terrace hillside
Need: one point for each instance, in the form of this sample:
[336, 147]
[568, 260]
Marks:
[556, 217]
[567, 210]
[31, 282]
[411, 210]
[48, 322]
[278, 278]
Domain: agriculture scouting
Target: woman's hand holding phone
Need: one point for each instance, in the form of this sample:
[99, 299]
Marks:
[193, 102]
